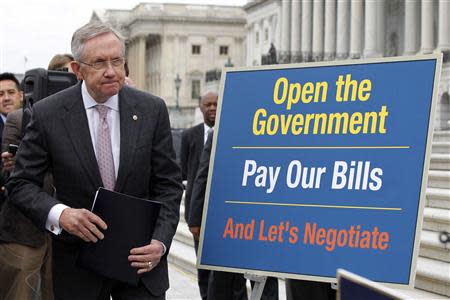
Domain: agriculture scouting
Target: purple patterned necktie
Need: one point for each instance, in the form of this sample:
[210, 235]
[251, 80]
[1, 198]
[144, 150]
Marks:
[104, 149]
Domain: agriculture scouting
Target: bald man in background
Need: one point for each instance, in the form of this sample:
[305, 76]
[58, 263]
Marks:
[192, 142]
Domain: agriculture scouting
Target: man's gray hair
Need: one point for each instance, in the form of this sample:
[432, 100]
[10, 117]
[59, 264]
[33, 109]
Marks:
[89, 31]
[207, 93]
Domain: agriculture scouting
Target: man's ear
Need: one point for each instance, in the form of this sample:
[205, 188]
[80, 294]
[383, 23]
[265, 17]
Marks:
[76, 69]
[21, 98]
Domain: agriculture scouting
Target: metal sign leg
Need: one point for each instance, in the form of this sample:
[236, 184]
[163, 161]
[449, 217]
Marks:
[258, 288]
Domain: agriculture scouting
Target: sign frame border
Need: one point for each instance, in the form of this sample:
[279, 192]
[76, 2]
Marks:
[415, 253]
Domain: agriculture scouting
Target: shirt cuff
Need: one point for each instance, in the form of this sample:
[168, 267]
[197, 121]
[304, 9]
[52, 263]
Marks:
[52, 223]
[162, 244]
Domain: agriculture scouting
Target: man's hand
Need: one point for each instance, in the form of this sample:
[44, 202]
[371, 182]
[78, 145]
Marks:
[195, 232]
[147, 257]
[8, 161]
[83, 224]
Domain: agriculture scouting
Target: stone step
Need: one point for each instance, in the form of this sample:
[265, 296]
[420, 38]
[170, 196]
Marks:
[439, 179]
[440, 161]
[436, 219]
[431, 247]
[416, 294]
[183, 256]
[183, 234]
[440, 147]
[441, 136]
[438, 198]
[433, 276]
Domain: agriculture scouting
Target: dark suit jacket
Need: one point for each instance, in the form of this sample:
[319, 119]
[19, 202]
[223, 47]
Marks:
[14, 226]
[2, 180]
[199, 188]
[58, 138]
[192, 141]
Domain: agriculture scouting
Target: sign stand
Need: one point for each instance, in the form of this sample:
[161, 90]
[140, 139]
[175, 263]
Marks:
[258, 288]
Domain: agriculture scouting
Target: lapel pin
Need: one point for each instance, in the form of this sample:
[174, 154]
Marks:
[135, 117]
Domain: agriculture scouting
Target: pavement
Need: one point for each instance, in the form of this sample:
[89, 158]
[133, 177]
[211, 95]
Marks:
[183, 285]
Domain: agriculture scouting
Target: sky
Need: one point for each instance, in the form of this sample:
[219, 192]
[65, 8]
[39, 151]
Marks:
[32, 31]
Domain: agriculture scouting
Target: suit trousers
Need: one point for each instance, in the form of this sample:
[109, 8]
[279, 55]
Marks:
[26, 272]
[227, 286]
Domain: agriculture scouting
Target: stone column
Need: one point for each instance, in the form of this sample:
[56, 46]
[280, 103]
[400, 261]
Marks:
[132, 60]
[285, 30]
[374, 29]
[356, 25]
[140, 63]
[130, 56]
[318, 34]
[330, 30]
[306, 30]
[275, 30]
[427, 40]
[381, 24]
[295, 30]
[411, 28]
[342, 30]
[444, 25]
[250, 39]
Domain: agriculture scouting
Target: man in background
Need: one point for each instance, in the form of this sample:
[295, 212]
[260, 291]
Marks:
[221, 285]
[61, 62]
[11, 98]
[11, 95]
[25, 273]
[192, 141]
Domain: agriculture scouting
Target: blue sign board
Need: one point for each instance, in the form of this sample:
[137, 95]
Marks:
[320, 166]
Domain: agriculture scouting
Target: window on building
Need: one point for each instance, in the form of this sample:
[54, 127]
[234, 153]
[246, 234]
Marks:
[196, 49]
[195, 90]
[223, 50]
[266, 34]
[257, 37]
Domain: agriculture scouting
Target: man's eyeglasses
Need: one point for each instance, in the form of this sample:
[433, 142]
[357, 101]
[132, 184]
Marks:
[103, 64]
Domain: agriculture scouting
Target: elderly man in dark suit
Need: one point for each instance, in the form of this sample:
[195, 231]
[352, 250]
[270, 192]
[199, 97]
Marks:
[192, 141]
[99, 133]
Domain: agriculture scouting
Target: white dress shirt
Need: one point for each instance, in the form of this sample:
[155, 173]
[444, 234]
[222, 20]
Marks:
[205, 133]
[52, 223]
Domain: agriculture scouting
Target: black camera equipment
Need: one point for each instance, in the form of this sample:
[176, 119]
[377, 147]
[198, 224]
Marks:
[39, 83]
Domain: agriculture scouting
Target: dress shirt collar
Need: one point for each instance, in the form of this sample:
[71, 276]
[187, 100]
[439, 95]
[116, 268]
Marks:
[206, 128]
[89, 102]
[205, 133]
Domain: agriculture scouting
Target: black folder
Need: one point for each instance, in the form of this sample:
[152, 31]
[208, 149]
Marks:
[131, 222]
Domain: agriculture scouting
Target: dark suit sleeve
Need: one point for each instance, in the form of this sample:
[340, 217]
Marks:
[165, 183]
[24, 184]
[184, 154]
[13, 128]
[199, 188]
[12, 131]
